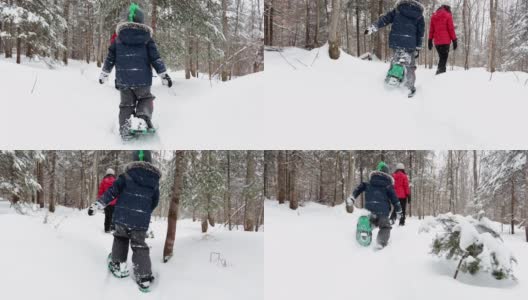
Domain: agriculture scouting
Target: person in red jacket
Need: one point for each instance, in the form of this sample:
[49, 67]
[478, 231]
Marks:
[403, 191]
[105, 184]
[442, 33]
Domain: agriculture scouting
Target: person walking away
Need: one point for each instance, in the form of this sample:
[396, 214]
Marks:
[134, 53]
[138, 192]
[441, 34]
[106, 183]
[406, 36]
[403, 191]
[379, 196]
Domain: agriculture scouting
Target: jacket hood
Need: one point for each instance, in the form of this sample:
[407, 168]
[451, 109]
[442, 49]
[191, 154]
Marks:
[442, 12]
[143, 173]
[378, 178]
[410, 8]
[133, 33]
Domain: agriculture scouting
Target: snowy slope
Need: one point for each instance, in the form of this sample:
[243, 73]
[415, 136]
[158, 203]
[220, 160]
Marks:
[312, 253]
[66, 259]
[303, 100]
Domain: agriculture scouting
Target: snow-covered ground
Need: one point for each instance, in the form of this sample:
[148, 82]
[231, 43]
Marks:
[312, 253]
[303, 100]
[66, 259]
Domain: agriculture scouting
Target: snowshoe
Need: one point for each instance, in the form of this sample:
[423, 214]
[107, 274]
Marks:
[119, 270]
[141, 125]
[145, 283]
[395, 75]
[364, 231]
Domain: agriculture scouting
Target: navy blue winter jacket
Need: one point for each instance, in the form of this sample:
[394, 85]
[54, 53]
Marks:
[379, 194]
[133, 53]
[408, 25]
[137, 191]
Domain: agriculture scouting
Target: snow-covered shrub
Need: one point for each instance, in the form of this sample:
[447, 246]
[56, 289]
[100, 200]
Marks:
[475, 243]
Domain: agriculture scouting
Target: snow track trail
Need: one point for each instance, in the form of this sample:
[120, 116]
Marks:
[69, 261]
[299, 99]
[312, 253]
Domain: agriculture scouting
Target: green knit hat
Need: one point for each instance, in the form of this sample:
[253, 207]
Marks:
[383, 167]
[135, 14]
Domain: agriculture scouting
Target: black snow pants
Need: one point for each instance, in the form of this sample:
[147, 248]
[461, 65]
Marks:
[123, 237]
[403, 203]
[109, 212]
[384, 228]
[443, 54]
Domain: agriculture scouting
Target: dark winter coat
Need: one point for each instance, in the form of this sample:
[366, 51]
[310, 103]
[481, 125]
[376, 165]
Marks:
[408, 25]
[105, 184]
[379, 194]
[401, 185]
[138, 192]
[133, 53]
[442, 29]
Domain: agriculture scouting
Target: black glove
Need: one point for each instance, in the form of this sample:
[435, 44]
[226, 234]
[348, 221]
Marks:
[455, 44]
[430, 44]
[165, 79]
[417, 53]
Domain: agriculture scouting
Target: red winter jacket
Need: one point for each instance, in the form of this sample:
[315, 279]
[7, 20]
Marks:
[105, 184]
[401, 185]
[442, 29]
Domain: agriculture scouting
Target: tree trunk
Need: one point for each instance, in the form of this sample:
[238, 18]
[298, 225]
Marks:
[294, 201]
[229, 221]
[512, 217]
[66, 40]
[492, 39]
[52, 196]
[317, 22]
[358, 36]
[333, 34]
[307, 25]
[40, 181]
[475, 173]
[225, 31]
[281, 177]
[172, 218]
[249, 199]
[154, 15]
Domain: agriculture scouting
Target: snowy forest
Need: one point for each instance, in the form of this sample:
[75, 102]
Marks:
[460, 182]
[492, 34]
[213, 187]
[220, 38]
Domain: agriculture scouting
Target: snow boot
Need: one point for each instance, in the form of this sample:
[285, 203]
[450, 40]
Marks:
[412, 92]
[145, 283]
[119, 270]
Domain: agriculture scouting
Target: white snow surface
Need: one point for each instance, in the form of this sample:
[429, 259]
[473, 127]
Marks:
[303, 100]
[66, 259]
[312, 253]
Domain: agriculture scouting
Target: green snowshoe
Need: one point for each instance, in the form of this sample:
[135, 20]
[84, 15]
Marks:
[395, 75]
[364, 231]
[116, 269]
[146, 131]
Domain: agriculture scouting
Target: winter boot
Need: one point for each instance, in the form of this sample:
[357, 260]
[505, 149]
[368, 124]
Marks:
[117, 269]
[147, 121]
[412, 92]
[144, 283]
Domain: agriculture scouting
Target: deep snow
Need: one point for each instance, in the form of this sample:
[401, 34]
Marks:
[66, 259]
[312, 253]
[303, 100]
